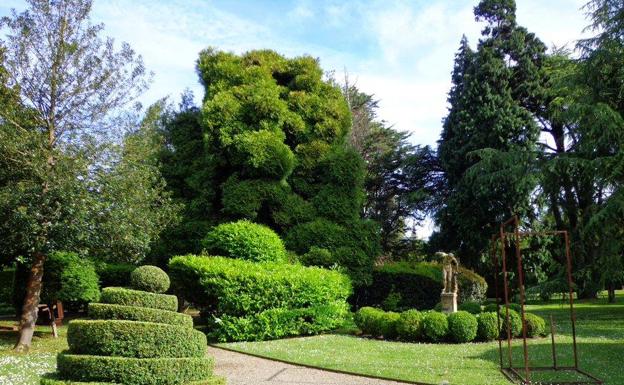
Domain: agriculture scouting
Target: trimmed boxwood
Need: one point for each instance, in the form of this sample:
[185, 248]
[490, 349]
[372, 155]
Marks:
[149, 278]
[278, 323]
[536, 325]
[134, 339]
[471, 307]
[245, 240]
[409, 326]
[52, 379]
[462, 326]
[123, 296]
[377, 323]
[488, 326]
[515, 323]
[133, 371]
[133, 313]
[239, 288]
[435, 326]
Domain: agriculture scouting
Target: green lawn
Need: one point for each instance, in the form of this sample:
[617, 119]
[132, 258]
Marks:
[25, 369]
[600, 338]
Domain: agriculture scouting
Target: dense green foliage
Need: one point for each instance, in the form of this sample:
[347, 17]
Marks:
[134, 313]
[7, 277]
[252, 300]
[462, 326]
[245, 240]
[269, 145]
[409, 326]
[114, 274]
[435, 326]
[471, 307]
[69, 278]
[129, 297]
[149, 278]
[489, 326]
[377, 323]
[535, 325]
[122, 338]
[409, 285]
[512, 323]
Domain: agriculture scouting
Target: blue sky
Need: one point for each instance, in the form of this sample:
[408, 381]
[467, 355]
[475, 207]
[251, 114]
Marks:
[400, 51]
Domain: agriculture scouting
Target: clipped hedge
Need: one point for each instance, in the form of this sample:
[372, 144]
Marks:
[114, 274]
[515, 323]
[134, 339]
[245, 240]
[489, 326]
[149, 278]
[462, 326]
[536, 325]
[239, 288]
[470, 307]
[123, 296]
[133, 313]
[435, 326]
[278, 323]
[377, 323]
[409, 326]
[52, 379]
[133, 371]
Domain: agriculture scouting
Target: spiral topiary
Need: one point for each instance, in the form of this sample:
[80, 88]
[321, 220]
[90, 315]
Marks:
[135, 337]
[150, 278]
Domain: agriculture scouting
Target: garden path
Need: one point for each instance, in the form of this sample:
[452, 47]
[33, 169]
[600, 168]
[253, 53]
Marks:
[243, 369]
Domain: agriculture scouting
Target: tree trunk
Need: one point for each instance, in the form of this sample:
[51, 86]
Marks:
[31, 304]
[611, 290]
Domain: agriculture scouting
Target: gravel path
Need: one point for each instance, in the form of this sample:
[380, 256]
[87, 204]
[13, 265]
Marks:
[242, 369]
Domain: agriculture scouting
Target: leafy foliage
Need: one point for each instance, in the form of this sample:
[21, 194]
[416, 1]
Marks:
[409, 326]
[129, 297]
[462, 326]
[246, 240]
[489, 326]
[149, 278]
[435, 326]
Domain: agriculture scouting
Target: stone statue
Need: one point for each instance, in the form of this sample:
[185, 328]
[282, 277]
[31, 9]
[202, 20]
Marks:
[449, 281]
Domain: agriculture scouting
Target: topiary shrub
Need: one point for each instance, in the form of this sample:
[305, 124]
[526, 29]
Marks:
[263, 154]
[123, 296]
[515, 323]
[536, 325]
[377, 323]
[318, 256]
[229, 288]
[409, 325]
[245, 240]
[491, 307]
[462, 326]
[150, 278]
[129, 351]
[489, 326]
[472, 286]
[471, 307]
[435, 326]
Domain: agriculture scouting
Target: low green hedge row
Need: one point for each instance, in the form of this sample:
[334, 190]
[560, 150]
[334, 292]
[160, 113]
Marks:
[133, 371]
[133, 313]
[278, 323]
[134, 339]
[129, 297]
[238, 288]
[433, 326]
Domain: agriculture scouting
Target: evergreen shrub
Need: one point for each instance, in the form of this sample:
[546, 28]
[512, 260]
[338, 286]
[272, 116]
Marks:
[134, 313]
[435, 326]
[536, 325]
[470, 307]
[462, 326]
[123, 296]
[149, 278]
[488, 326]
[409, 326]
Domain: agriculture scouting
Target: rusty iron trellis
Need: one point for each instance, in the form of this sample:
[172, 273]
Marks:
[523, 374]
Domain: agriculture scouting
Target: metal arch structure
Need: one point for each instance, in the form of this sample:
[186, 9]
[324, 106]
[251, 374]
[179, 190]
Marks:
[523, 375]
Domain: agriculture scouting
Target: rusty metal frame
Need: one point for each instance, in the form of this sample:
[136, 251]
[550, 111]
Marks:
[523, 375]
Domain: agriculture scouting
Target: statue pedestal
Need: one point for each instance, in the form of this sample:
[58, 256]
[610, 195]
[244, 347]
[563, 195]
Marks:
[449, 302]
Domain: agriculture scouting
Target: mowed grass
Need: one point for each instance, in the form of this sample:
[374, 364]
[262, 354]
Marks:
[26, 369]
[600, 342]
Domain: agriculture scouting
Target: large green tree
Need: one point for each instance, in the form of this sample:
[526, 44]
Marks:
[488, 142]
[269, 144]
[63, 184]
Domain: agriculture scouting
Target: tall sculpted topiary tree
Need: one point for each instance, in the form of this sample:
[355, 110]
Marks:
[135, 337]
[269, 145]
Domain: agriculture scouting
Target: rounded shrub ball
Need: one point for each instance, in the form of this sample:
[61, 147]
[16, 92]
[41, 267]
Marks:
[389, 321]
[245, 240]
[409, 326]
[471, 307]
[150, 278]
[491, 307]
[536, 325]
[462, 326]
[435, 326]
[515, 323]
[488, 326]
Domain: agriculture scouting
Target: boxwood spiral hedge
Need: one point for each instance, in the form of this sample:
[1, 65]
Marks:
[120, 347]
